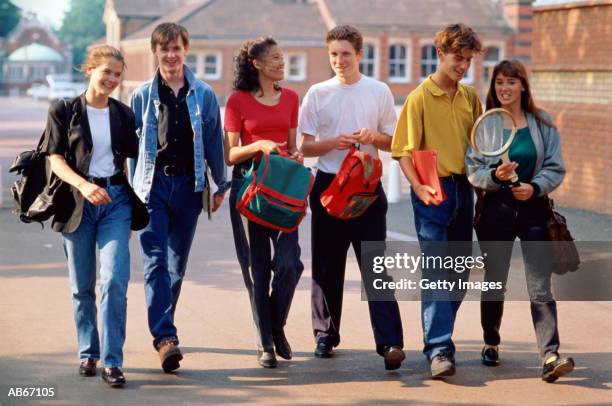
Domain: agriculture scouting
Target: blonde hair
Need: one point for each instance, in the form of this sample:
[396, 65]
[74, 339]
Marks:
[97, 54]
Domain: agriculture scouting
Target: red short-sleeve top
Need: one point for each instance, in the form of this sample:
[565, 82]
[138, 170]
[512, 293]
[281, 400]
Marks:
[256, 121]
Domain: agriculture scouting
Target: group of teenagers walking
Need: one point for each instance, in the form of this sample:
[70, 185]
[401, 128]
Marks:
[159, 150]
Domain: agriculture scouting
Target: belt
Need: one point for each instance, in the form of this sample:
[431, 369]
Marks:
[172, 170]
[453, 177]
[117, 179]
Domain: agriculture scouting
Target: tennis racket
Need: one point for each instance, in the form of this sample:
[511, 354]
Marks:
[493, 134]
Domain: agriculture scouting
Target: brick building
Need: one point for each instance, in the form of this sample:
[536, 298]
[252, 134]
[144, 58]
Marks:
[29, 53]
[398, 35]
[572, 79]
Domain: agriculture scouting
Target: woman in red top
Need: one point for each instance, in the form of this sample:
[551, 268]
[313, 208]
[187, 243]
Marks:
[261, 117]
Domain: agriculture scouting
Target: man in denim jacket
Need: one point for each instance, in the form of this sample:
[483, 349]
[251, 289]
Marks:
[179, 126]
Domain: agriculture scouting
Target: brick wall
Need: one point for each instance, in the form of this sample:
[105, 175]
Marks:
[572, 79]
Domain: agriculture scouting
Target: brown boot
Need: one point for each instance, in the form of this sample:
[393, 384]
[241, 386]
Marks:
[170, 355]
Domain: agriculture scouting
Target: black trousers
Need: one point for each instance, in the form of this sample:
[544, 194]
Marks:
[270, 278]
[331, 238]
[503, 219]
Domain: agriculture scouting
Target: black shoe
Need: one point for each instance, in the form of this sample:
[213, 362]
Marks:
[442, 365]
[556, 369]
[324, 350]
[113, 376]
[283, 349]
[266, 359]
[87, 367]
[393, 357]
[489, 357]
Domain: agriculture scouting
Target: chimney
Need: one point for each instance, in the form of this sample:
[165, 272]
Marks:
[519, 14]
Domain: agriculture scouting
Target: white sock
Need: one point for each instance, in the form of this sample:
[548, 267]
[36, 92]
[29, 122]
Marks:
[551, 358]
[495, 347]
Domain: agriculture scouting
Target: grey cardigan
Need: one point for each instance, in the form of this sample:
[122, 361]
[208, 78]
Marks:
[549, 169]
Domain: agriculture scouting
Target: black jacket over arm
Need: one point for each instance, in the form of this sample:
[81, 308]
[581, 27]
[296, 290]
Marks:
[67, 133]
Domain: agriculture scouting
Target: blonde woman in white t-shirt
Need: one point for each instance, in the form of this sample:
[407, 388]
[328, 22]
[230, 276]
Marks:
[88, 140]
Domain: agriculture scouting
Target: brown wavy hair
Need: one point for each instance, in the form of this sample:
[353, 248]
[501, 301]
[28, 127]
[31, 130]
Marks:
[246, 77]
[515, 69]
[455, 37]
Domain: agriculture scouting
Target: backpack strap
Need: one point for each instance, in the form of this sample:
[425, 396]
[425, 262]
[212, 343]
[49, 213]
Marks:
[44, 139]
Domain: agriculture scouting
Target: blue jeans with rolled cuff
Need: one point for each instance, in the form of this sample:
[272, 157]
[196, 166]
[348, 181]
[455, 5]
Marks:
[165, 243]
[108, 227]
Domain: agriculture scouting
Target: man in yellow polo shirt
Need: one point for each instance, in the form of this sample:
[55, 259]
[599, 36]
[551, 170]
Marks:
[439, 115]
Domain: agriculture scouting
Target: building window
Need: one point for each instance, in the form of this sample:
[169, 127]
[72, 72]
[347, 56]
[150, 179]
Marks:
[492, 56]
[295, 67]
[15, 72]
[212, 66]
[367, 66]
[39, 72]
[192, 63]
[429, 60]
[399, 63]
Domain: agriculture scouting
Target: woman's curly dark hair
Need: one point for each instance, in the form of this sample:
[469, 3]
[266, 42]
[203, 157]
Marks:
[245, 75]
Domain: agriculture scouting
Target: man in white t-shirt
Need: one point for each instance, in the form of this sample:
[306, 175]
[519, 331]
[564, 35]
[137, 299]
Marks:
[348, 109]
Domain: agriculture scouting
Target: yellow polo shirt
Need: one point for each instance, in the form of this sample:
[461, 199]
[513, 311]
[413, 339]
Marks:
[430, 120]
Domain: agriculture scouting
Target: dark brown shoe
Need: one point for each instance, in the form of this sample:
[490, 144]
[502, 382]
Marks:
[170, 356]
[393, 357]
[88, 367]
[113, 376]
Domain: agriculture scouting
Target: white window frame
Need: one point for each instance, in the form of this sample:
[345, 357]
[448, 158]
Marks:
[405, 42]
[200, 64]
[302, 67]
[423, 44]
[376, 45]
[218, 65]
[485, 64]
[194, 69]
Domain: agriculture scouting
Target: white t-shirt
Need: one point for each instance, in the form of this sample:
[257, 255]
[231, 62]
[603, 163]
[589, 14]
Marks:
[331, 108]
[102, 163]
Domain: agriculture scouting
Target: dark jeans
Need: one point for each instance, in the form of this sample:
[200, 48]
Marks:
[331, 238]
[436, 225]
[270, 307]
[165, 244]
[503, 219]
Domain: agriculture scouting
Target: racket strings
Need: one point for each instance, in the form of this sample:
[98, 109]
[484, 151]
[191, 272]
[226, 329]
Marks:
[493, 134]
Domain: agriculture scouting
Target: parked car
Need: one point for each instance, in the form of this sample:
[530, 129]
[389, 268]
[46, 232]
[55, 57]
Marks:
[38, 91]
[63, 90]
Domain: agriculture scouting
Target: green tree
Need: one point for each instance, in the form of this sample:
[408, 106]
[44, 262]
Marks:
[82, 25]
[9, 17]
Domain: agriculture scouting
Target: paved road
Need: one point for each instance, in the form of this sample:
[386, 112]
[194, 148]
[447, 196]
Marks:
[38, 338]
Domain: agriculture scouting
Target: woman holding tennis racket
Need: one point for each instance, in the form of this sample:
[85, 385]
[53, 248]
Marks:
[513, 203]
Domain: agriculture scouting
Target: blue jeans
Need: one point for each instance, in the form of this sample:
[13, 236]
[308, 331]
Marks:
[108, 226]
[450, 221]
[270, 296]
[165, 244]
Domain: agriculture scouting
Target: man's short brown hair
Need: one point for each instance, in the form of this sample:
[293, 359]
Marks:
[346, 33]
[456, 37]
[167, 32]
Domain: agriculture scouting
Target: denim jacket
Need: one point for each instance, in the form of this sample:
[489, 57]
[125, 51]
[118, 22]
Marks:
[207, 130]
[549, 169]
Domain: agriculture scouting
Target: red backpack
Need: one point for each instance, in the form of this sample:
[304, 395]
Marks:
[353, 189]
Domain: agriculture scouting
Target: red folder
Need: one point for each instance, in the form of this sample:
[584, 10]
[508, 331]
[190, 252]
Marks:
[426, 166]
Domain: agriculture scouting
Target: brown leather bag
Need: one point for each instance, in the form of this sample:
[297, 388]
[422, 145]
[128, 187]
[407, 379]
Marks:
[565, 254]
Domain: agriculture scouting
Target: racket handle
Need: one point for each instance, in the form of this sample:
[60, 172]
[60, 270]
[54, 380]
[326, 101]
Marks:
[514, 179]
